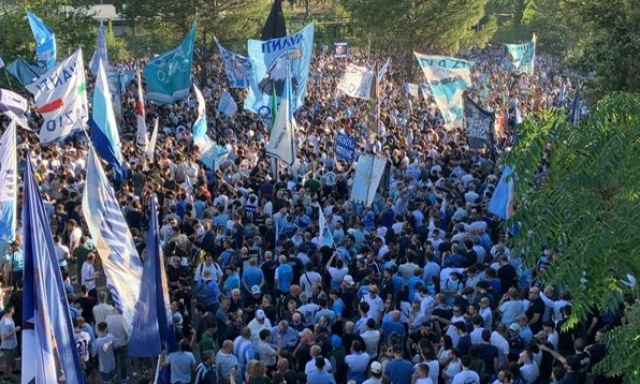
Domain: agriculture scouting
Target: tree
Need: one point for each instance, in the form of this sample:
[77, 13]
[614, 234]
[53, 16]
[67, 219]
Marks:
[69, 20]
[428, 25]
[577, 191]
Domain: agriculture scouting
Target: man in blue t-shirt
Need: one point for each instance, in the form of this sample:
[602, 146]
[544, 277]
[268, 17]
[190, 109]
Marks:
[283, 276]
[399, 370]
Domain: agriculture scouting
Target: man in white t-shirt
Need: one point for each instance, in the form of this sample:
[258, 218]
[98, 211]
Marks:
[62, 253]
[88, 274]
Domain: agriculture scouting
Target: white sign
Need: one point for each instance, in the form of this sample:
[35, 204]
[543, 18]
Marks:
[356, 82]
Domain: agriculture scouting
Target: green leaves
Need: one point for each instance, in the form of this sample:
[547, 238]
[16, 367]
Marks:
[586, 205]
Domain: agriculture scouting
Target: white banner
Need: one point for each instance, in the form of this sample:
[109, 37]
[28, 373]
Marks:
[369, 172]
[61, 97]
[356, 82]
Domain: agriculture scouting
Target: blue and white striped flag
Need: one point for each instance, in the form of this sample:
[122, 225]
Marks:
[113, 240]
[501, 203]
[152, 321]
[8, 187]
[48, 348]
[100, 54]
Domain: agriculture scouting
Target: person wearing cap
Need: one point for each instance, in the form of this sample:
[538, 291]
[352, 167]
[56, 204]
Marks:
[376, 373]
[349, 295]
[318, 375]
[259, 322]
[516, 343]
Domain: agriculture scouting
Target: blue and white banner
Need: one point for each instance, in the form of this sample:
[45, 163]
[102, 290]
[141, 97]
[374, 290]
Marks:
[100, 54]
[356, 82]
[447, 87]
[169, 75]
[45, 40]
[270, 60]
[523, 56]
[237, 67]
[152, 327]
[227, 105]
[369, 171]
[326, 236]
[340, 50]
[346, 147]
[104, 130]
[443, 62]
[120, 260]
[48, 349]
[61, 97]
[211, 154]
[8, 186]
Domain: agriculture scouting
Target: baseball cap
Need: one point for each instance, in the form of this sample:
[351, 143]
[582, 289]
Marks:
[255, 290]
[349, 279]
[514, 327]
[376, 367]
[260, 314]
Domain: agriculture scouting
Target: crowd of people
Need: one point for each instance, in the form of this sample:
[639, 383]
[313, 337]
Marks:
[419, 287]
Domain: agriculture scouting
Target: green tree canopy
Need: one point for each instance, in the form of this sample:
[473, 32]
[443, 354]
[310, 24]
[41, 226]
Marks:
[578, 190]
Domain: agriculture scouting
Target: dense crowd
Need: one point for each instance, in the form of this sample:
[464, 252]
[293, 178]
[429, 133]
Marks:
[420, 287]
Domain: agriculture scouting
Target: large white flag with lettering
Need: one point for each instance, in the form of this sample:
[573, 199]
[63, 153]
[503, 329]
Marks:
[61, 97]
[356, 82]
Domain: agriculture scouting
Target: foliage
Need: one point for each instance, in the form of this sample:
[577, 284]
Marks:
[429, 25]
[585, 204]
[624, 360]
[118, 48]
[69, 19]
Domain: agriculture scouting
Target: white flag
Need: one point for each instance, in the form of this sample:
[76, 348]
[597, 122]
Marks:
[227, 105]
[356, 82]
[151, 148]
[369, 172]
[61, 97]
[281, 141]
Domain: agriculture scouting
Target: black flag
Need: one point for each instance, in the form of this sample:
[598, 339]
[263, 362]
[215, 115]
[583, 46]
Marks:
[275, 26]
[478, 125]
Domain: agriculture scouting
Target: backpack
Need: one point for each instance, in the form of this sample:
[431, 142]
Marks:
[203, 294]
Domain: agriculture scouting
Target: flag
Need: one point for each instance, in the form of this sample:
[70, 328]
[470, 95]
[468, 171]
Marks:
[501, 203]
[383, 70]
[281, 140]
[152, 327]
[447, 78]
[114, 243]
[8, 186]
[48, 348]
[275, 25]
[270, 60]
[100, 54]
[61, 97]
[11, 101]
[356, 82]
[168, 76]
[210, 153]
[104, 131]
[142, 140]
[369, 171]
[478, 124]
[237, 67]
[151, 148]
[227, 105]
[345, 147]
[523, 56]
[326, 237]
[25, 72]
[412, 90]
[1, 63]
[45, 40]
[575, 110]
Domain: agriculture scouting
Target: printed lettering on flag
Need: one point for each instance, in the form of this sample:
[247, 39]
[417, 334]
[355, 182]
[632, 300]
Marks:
[345, 147]
[478, 124]
[61, 97]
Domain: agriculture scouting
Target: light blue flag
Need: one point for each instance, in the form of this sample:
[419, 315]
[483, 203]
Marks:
[523, 56]
[113, 241]
[501, 203]
[211, 154]
[227, 105]
[237, 67]
[8, 187]
[1, 63]
[100, 54]
[270, 60]
[48, 347]
[119, 78]
[152, 327]
[169, 75]
[104, 130]
[45, 40]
